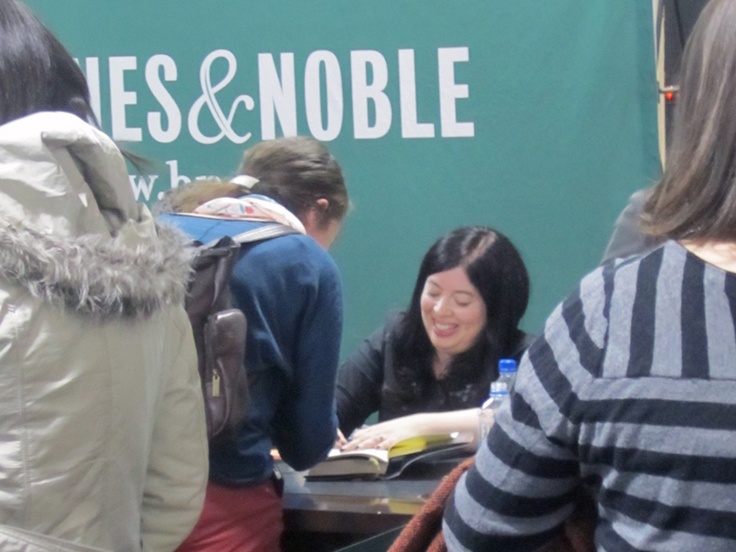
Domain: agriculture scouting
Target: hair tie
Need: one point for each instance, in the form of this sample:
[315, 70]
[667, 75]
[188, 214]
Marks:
[244, 180]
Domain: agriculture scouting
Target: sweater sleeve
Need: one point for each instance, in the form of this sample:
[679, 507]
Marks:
[526, 478]
[294, 313]
[359, 382]
[308, 423]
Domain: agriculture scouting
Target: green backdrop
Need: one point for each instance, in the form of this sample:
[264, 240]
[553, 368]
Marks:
[537, 118]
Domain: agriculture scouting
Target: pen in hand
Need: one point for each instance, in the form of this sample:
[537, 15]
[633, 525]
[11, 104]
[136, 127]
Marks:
[340, 441]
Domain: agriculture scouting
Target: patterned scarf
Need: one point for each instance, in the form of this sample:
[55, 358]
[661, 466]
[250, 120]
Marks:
[250, 207]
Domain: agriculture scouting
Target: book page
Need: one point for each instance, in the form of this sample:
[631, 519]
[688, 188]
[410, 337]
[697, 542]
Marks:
[380, 454]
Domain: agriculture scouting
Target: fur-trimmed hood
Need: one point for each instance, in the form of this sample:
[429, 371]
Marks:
[71, 231]
[96, 276]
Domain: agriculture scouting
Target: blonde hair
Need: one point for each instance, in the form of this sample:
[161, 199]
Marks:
[186, 198]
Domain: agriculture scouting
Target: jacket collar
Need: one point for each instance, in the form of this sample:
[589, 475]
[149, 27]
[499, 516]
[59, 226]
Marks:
[96, 276]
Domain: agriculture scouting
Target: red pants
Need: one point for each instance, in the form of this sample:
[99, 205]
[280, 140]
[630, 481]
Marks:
[238, 519]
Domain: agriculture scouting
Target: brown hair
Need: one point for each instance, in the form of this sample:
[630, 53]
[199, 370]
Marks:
[185, 199]
[696, 197]
[297, 171]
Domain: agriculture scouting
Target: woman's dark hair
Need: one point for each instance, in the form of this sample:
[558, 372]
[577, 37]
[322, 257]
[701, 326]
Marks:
[496, 269]
[36, 71]
[696, 197]
[296, 171]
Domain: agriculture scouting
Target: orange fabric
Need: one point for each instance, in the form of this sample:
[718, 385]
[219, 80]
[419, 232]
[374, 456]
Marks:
[238, 519]
[423, 533]
[579, 530]
[424, 530]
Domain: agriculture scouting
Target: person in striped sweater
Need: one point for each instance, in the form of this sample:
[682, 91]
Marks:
[630, 393]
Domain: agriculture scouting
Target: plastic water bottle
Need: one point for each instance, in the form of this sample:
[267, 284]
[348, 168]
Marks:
[507, 372]
[499, 391]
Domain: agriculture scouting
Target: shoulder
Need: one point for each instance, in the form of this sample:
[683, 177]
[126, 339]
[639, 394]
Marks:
[293, 266]
[606, 298]
[625, 275]
[621, 274]
[381, 339]
[591, 298]
[584, 313]
[294, 243]
[292, 251]
[389, 333]
[393, 322]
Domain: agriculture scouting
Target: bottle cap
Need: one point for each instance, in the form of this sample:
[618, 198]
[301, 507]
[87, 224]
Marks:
[506, 365]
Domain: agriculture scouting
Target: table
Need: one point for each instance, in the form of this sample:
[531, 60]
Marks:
[332, 514]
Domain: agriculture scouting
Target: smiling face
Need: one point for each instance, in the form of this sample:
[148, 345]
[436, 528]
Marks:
[453, 311]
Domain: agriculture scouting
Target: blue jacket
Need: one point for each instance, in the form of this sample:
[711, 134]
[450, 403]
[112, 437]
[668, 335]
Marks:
[290, 291]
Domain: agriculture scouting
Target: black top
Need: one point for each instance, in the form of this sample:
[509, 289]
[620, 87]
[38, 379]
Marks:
[368, 382]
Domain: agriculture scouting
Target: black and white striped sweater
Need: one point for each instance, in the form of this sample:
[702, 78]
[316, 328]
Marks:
[631, 392]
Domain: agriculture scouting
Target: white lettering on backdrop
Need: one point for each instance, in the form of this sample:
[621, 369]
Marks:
[324, 83]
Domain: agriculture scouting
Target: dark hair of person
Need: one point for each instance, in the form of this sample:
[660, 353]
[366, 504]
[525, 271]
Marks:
[696, 197]
[36, 71]
[495, 267]
[296, 171]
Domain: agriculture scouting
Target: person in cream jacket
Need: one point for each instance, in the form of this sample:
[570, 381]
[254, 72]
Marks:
[102, 437]
[102, 432]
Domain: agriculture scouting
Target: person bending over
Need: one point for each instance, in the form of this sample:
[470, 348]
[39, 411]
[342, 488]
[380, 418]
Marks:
[290, 291]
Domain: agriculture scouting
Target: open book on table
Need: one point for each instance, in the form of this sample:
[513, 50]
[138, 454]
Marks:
[386, 464]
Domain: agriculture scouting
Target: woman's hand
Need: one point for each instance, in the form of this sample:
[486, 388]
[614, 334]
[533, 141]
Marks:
[340, 440]
[385, 434]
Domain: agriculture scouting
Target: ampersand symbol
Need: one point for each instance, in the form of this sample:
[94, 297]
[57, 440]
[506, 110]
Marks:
[208, 98]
